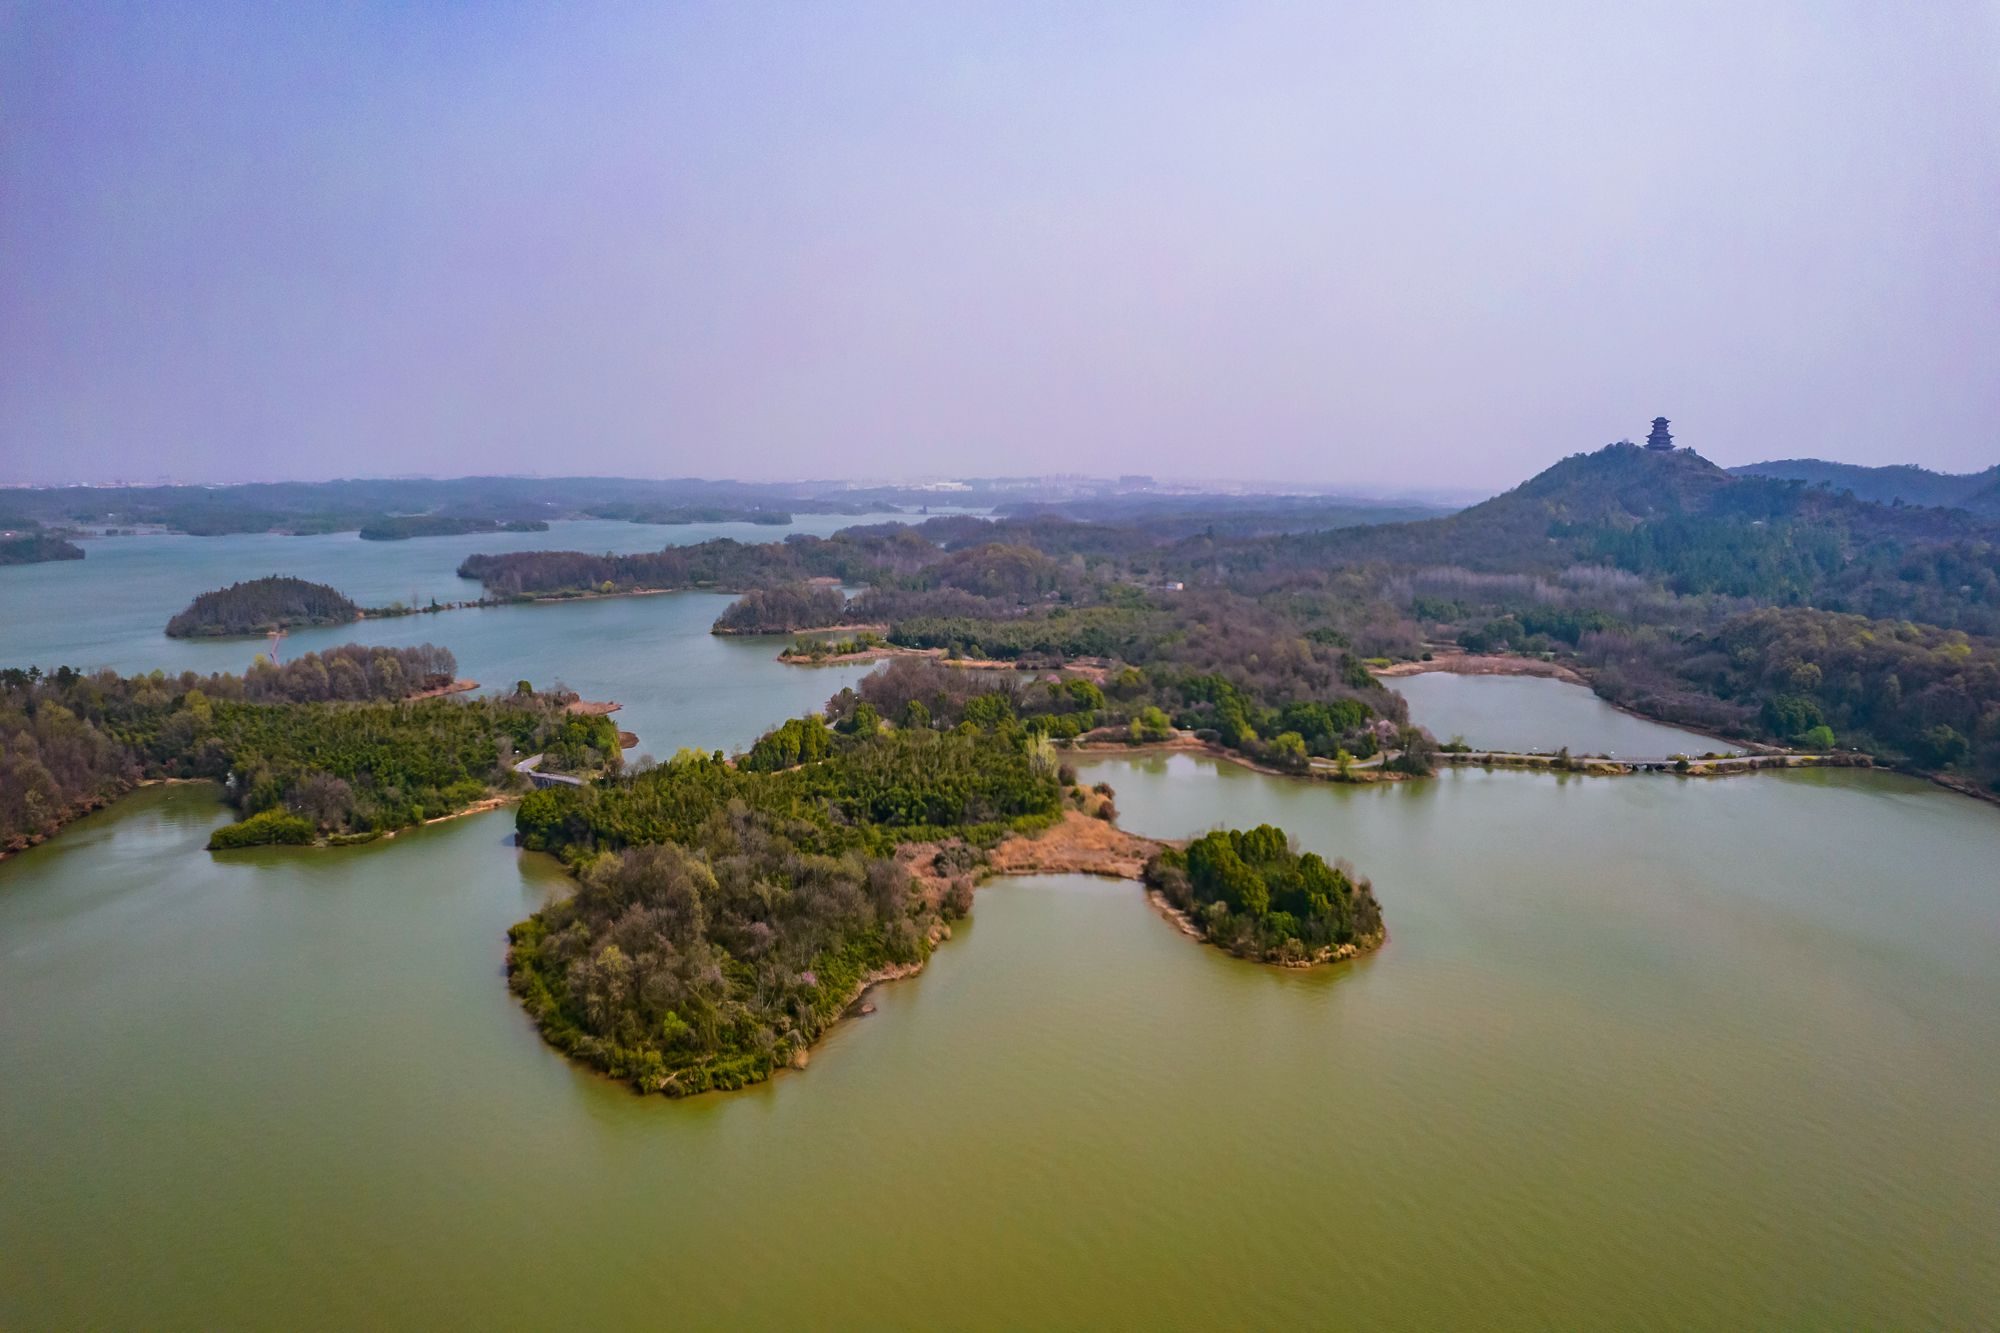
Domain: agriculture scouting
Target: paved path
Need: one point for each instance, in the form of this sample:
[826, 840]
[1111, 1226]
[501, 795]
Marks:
[531, 766]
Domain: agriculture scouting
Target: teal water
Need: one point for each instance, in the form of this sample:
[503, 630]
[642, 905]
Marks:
[677, 684]
[111, 608]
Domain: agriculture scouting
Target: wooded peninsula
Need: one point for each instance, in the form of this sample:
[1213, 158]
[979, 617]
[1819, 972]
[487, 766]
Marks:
[260, 606]
[332, 746]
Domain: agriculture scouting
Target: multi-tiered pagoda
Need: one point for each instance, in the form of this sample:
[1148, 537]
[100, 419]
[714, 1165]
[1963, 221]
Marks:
[1661, 438]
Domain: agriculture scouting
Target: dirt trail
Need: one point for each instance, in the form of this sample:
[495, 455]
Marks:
[1080, 845]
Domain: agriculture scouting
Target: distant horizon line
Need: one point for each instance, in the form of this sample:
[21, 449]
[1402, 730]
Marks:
[947, 484]
[943, 485]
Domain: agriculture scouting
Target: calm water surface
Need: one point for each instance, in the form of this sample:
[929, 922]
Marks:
[111, 608]
[1641, 1053]
[678, 684]
[1528, 713]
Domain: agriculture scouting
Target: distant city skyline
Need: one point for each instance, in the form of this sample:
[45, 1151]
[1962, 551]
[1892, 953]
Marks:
[1425, 250]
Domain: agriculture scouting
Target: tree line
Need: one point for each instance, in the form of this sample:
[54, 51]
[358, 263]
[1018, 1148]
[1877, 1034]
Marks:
[402, 527]
[867, 792]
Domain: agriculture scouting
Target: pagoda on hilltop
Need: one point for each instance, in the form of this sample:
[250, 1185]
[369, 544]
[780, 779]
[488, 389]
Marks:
[1661, 439]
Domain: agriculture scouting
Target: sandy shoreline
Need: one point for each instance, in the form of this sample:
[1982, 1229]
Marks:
[478, 807]
[456, 687]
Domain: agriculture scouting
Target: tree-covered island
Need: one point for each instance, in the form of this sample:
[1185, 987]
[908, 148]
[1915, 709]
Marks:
[1252, 893]
[259, 606]
[35, 548]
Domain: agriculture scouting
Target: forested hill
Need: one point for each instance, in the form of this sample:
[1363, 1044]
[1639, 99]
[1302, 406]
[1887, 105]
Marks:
[1528, 528]
[1623, 486]
[1677, 518]
[1976, 492]
[261, 605]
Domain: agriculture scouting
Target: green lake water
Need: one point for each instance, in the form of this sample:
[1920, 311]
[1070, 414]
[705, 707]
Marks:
[1641, 1052]
[1529, 713]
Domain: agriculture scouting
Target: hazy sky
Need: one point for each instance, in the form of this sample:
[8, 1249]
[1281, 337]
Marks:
[1386, 245]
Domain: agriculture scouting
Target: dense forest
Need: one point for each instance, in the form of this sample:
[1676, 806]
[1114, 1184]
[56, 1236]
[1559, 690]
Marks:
[34, 548]
[402, 527]
[688, 967]
[1904, 692]
[262, 605]
[68, 741]
[726, 914]
[332, 739]
[868, 793]
[1252, 893]
[783, 609]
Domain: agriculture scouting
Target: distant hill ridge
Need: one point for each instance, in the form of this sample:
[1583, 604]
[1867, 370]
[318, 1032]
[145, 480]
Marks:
[1675, 517]
[1618, 482]
[1978, 492]
[1624, 484]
